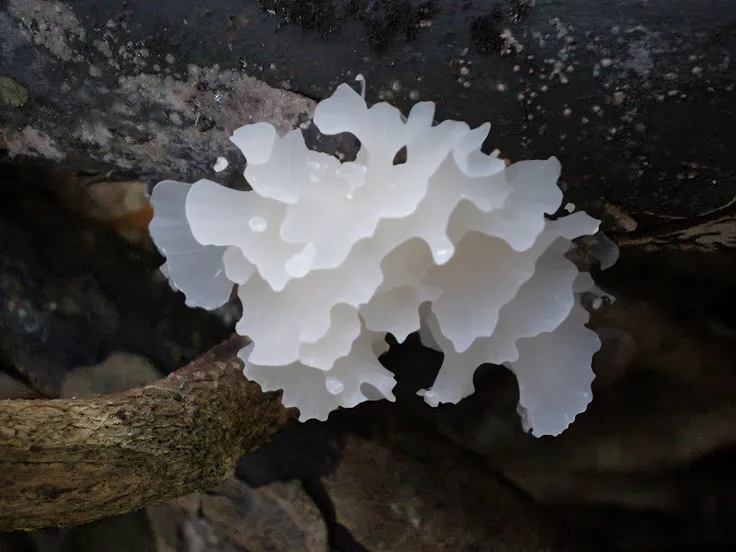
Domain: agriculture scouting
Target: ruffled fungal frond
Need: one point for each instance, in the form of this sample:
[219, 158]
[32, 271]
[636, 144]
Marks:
[330, 256]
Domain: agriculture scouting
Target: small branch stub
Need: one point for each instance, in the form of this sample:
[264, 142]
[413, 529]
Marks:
[67, 462]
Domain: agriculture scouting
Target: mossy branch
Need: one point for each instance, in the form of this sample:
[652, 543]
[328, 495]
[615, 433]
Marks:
[65, 462]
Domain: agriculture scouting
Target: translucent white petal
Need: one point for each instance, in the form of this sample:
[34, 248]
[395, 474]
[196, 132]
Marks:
[195, 269]
[379, 345]
[470, 160]
[482, 276]
[420, 119]
[344, 111]
[541, 304]
[447, 187]
[555, 374]
[572, 226]
[403, 264]
[425, 332]
[303, 387]
[534, 192]
[315, 392]
[380, 129]
[225, 217]
[454, 380]
[200, 275]
[237, 267]
[395, 312]
[255, 141]
[344, 329]
[383, 133]
[361, 369]
[302, 309]
[283, 176]
[584, 282]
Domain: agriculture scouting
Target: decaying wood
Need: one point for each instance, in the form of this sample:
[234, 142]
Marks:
[65, 462]
[414, 491]
[279, 517]
[617, 92]
[398, 487]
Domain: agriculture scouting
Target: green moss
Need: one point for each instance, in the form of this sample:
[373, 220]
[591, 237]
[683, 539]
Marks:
[12, 94]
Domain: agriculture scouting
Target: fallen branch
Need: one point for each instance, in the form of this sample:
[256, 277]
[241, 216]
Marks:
[66, 462]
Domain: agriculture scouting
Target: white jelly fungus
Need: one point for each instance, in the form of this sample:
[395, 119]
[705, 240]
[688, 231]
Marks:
[330, 256]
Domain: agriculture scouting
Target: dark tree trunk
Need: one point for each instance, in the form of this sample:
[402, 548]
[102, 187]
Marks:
[636, 97]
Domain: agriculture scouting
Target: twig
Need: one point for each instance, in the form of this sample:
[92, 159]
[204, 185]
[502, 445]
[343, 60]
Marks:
[65, 462]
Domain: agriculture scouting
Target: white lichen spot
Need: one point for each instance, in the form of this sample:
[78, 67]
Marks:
[510, 44]
[31, 142]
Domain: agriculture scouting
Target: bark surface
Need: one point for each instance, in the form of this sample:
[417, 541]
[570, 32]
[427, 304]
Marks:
[65, 462]
[635, 98]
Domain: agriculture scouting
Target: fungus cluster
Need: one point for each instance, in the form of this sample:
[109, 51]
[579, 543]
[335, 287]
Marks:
[329, 257]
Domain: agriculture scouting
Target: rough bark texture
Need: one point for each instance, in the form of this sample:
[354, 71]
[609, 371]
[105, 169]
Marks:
[73, 461]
